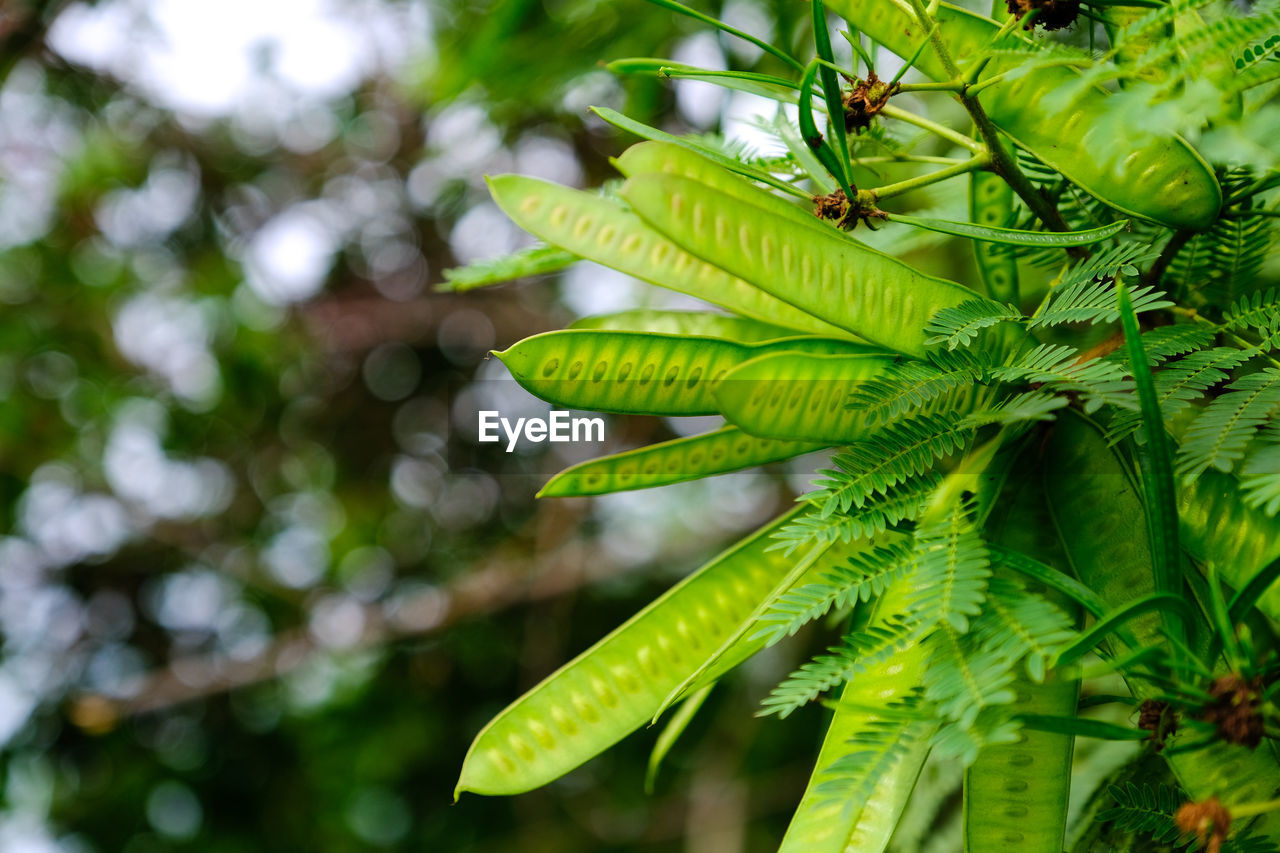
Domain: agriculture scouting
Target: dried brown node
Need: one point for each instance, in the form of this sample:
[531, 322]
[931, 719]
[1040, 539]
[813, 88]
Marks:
[865, 100]
[1158, 718]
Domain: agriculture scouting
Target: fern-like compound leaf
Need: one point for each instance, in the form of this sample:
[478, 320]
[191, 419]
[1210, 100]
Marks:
[1182, 382]
[952, 568]
[902, 502]
[1259, 313]
[907, 387]
[959, 325]
[1086, 300]
[1098, 381]
[863, 576]
[1019, 625]
[962, 679]
[873, 752]
[1218, 436]
[1260, 474]
[1165, 342]
[857, 652]
[1146, 810]
[884, 460]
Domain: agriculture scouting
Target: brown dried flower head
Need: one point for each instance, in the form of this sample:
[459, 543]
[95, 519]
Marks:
[1236, 709]
[838, 209]
[865, 100]
[1208, 820]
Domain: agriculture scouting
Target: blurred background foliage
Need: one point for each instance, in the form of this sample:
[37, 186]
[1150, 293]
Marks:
[259, 587]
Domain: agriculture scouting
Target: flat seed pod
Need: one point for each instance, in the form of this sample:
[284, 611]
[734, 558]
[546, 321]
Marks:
[990, 203]
[795, 396]
[663, 158]
[826, 824]
[1099, 514]
[849, 285]
[1156, 177]
[617, 685]
[690, 458]
[703, 324]
[1016, 794]
[638, 372]
[600, 230]
[1217, 528]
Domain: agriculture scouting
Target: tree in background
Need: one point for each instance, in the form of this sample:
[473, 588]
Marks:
[255, 590]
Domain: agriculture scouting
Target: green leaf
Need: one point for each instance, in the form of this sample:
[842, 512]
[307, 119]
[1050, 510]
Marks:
[621, 122]
[865, 575]
[1082, 727]
[1050, 577]
[675, 727]
[1014, 237]
[959, 325]
[1163, 602]
[1156, 468]
[536, 260]
[877, 463]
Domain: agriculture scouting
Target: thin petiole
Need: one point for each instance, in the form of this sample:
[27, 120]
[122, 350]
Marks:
[1254, 809]
[910, 158]
[976, 88]
[948, 86]
[891, 190]
[912, 60]
[733, 31]
[855, 42]
[933, 127]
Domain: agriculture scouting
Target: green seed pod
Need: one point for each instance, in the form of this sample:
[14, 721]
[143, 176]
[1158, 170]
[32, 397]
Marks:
[1016, 794]
[600, 230]
[703, 324]
[663, 158]
[990, 203]
[638, 372]
[691, 458]
[795, 396]
[847, 284]
[1217, 528]
[618, 684]
[825, 822]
